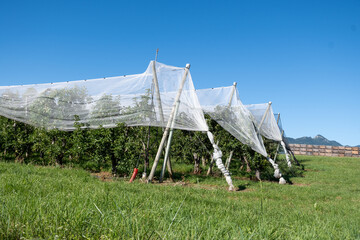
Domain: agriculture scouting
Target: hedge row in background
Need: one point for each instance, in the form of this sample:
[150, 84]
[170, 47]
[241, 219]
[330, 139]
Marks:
[120, 149]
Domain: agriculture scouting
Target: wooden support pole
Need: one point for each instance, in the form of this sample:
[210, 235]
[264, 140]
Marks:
[283, 145]
[263, 118]
[212, 161]
[228, 161]
[167, 151]
[158, 99]
[277, 173]
[166, 132]
[282, 133]
[278, 146]
[262, 121]
[229, 105]
[169, 168]
[232, 93]
[156, 84]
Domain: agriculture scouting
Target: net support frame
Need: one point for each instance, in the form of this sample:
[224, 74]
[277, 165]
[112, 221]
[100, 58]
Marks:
[277, 173]
[264, 116]
[158, 98]
[286, 152]
[277, 151]
[282, 143]
[228, 160]
[166, 132]
[217, 157]
[232, 93]
[282, 132]
[167, 150]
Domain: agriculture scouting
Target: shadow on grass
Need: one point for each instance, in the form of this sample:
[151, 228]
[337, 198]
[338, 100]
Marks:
[241, 188]
[182, 176]
[301, 161]
[184, 173]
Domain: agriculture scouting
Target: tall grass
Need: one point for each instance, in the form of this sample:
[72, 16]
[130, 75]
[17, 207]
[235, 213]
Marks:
[54, 203]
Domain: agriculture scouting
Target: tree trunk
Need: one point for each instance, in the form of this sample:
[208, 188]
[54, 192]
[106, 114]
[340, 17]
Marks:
[248, 169]
[114, 163]
[19, 158]
[203, 161]
[146, 159]
[114, 160]
[59, 159]
[146, 154]
[196, 163]
[169, 168]
[209, 172]
[257, 174]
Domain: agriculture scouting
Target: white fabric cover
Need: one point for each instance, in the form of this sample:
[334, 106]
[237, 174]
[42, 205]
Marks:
[269, 127]
[278, 120]
[217, 155]
[129, 99]
[232, 116]
[224, 106]
[287, 156]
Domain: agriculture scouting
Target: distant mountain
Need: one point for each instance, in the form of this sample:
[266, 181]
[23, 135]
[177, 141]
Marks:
[317, 140]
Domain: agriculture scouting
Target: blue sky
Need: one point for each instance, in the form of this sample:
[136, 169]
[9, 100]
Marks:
[304, 56]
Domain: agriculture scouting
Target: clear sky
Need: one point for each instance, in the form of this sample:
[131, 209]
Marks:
[304, 56]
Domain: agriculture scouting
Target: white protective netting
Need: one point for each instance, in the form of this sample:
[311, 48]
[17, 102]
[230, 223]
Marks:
[269, 127]
[130, 99]
[224, 106]
[278, 120]
[279, 123]
[283, 133]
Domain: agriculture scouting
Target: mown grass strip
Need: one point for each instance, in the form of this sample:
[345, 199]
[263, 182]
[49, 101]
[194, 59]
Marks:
[54, 203]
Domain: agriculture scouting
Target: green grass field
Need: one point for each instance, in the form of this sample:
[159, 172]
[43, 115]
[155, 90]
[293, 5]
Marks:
[53, 203]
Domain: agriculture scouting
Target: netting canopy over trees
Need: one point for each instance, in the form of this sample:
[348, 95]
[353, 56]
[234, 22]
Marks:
[224, 106]
[137, 100]
[267, 124]
[264, 115]
[162, 96]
